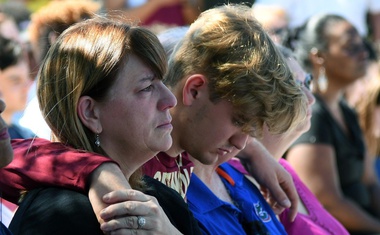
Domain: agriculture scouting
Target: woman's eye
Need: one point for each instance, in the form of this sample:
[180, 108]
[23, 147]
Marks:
[148, 88]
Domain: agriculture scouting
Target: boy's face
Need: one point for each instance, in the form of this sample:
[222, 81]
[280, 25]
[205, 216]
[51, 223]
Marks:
[209, 133]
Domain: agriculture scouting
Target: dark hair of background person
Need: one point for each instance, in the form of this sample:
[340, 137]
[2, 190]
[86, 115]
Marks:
[10, 52]
[294, 35]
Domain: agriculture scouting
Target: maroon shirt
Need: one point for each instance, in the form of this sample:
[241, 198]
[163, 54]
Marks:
[172, 15]
[174, 172]
[41, 163]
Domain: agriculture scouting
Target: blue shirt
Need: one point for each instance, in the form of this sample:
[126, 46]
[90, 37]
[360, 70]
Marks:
[250, 213]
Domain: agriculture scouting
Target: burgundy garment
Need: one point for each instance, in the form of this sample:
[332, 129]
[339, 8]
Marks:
[41, 163]
[174, 172]
[172, 15]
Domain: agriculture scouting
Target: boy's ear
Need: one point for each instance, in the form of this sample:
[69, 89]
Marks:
[195, 87]
[88, 113]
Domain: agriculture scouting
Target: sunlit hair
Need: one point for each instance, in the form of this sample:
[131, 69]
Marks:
[86, 60]
[243, 66]
[366, 112]
[314, 34]
[55, 17]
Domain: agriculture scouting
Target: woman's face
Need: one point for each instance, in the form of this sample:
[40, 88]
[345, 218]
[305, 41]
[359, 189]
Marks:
[305, 81]
[346, 57]
[14, 86]
[135, 117]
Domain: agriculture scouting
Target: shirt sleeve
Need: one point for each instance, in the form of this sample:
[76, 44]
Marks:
[319, 132]
[41, 163]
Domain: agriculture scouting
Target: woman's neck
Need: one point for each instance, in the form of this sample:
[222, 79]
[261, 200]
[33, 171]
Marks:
[332, 96]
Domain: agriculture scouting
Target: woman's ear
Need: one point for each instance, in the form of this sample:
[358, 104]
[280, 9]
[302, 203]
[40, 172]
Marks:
[89, 114]
[316, 57]
[195, 87]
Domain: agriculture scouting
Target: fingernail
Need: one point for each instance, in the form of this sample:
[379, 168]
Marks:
[103, 213]
[104, 227]
[286, 203]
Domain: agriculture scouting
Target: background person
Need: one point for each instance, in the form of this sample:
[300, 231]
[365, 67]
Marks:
[329, 158]
[45, 26]
[312, 218]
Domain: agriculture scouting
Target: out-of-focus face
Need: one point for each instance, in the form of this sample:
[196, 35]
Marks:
[135, 117]
[8, 28]
[305, 81]
[211, 135]
[6, 152]
[346, 57]
[274, 20]
[14, 85]
[277, 28]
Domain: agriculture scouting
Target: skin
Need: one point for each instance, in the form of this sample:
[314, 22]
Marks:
[207, 173]
[197, 123]
[144, 95]
[318, 170]
[125, 136]
[196, 128]
[14, 85]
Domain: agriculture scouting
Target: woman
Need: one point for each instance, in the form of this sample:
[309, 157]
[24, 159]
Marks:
[100, 91]
[312, 218]
[329, 158]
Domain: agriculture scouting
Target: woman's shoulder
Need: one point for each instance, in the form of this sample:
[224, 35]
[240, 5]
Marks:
[51, 210]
